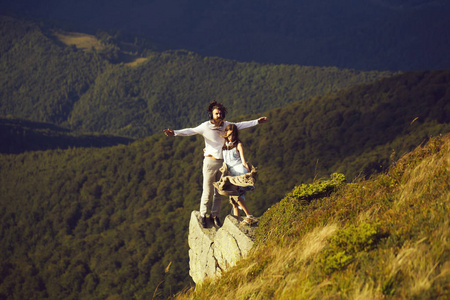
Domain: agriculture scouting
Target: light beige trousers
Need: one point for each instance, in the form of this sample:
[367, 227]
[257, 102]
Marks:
[211, 167]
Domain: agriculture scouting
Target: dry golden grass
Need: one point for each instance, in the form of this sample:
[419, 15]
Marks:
[82, 41]
[409, 261]
[137, 62]
[87, 42]
[419, 263]
[275, 278]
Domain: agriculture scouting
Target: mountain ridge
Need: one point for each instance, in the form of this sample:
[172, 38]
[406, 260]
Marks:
[87, 92]
[365, 35]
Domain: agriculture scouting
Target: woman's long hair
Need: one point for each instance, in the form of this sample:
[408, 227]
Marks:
[235, 133]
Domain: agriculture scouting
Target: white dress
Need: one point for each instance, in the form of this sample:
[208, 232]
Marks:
[233, 160]
[234, 163]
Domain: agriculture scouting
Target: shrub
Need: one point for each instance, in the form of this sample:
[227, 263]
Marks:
[308, 192]
[346, 243]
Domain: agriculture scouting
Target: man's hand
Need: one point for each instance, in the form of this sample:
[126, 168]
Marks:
[262, 120]
[169, 132]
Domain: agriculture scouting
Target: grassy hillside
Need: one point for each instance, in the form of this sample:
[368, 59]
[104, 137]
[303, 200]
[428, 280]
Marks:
[93, 91]
[382, 238]
[81, 41]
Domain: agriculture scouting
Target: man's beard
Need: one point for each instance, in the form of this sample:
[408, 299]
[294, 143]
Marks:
[217, 122]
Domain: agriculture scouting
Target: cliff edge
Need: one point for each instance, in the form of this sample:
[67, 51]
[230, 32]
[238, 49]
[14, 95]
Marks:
[213, 250]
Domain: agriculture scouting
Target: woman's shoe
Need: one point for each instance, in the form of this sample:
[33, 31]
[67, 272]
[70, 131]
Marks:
[249, 220]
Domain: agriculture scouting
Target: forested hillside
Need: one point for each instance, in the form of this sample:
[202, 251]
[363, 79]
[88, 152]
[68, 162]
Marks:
[40, 80]
[356, 132]
[92, 223]
[90, 91]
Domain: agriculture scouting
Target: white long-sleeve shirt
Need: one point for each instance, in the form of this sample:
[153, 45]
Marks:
[213, 135]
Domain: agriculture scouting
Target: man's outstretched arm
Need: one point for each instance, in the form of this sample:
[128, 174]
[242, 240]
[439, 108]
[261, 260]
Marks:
[169, 132]
[262, 120]
[185, 132]
[247, 124]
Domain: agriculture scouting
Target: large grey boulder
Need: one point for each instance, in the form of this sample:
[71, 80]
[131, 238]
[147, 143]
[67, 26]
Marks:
[213, 250]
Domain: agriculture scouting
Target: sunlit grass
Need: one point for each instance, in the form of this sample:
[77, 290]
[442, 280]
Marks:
[82, 41]
[87, 42]
[136, 62]
[392, 232]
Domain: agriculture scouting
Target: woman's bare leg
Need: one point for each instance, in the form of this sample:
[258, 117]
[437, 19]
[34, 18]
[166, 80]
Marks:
[236, 210]
[242, 204]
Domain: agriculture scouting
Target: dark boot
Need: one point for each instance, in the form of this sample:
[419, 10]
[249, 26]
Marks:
[203, 222]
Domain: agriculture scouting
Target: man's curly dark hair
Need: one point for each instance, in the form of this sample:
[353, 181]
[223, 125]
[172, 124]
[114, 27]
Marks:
[213, 105]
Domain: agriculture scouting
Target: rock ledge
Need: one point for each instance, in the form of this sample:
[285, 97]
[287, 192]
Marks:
[212, 250]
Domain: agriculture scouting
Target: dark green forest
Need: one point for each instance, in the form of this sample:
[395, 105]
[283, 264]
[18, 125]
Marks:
[91, 91]
[95, 201]
[90, 223]
[98, 222]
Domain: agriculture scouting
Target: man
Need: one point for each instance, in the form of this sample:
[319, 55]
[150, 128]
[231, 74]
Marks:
[212, 132]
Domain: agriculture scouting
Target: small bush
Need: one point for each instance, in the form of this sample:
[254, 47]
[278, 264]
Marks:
[346, 243]
[308, 192]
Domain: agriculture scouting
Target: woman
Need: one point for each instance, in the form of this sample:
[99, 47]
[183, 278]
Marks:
[233, 155]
